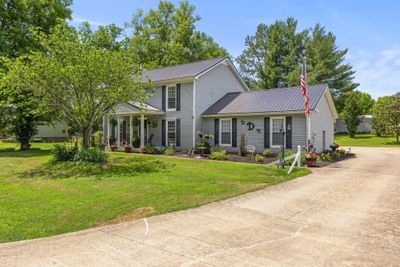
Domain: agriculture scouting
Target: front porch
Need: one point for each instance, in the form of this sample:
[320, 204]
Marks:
[131, 125]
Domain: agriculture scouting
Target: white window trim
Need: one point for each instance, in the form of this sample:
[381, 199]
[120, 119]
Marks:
[220, 131]
[166, 98]
[271, 130]
[166, 130]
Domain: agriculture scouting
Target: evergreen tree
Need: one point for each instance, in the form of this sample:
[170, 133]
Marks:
[168, 36]
[325, 64]
[273, 56]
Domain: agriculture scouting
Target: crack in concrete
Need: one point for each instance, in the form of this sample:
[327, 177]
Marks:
[201, 259]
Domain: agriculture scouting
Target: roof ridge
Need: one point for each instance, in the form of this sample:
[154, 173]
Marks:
[194, 62]
[284, 88]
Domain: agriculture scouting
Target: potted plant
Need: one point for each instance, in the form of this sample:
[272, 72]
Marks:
[311, 159]
[127, 147]
[112, 141]
[334, 147]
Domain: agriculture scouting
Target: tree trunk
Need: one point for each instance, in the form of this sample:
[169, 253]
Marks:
[24, 144]
[86, 138]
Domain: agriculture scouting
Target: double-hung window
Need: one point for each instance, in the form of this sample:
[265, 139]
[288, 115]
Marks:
[278, 126]
[171, 97]
[171, 132]
[226, 132]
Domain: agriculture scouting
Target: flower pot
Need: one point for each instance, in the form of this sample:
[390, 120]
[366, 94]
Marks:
[113, 148]
[128, 149]
[311, 162]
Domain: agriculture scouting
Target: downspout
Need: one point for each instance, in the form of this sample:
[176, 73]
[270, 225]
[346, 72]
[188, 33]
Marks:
[194, 113]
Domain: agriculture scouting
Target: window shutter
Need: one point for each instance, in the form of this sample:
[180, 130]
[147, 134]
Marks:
[163, 132]
[234, 132]
[289, 132]
[163, 97]
[267, 132]
[216, 131]
[178, 132]
[178, 97]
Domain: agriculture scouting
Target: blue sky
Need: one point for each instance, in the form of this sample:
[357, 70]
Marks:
[369, 29]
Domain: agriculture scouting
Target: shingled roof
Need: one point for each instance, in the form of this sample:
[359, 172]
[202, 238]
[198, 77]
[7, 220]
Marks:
[266, 101]
[180, 71]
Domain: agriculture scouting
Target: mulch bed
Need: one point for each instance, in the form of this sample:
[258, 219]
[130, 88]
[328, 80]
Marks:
[346, 156]
[231, 157]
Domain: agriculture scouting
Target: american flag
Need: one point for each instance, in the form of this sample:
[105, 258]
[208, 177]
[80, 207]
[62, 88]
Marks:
[304, 88]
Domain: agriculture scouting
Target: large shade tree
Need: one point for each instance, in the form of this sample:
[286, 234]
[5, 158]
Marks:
[273, 55]
[78, 79]
[386, 116]
[18, 18]
[168, 36]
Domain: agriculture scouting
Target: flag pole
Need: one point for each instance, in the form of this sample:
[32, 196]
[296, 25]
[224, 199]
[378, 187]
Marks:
[307, 111]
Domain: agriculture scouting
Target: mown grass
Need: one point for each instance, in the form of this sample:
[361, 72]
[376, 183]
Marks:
[369, 140]
[39, 199]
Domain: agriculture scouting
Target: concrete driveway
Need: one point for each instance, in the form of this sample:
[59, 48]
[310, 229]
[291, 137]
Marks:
[345, 214]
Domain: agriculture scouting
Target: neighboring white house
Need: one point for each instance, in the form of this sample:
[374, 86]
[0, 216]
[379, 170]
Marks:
[364, 127]
[210, 96]
[52, 132]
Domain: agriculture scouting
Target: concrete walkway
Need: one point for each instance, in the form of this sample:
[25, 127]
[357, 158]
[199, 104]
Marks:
[345, 214]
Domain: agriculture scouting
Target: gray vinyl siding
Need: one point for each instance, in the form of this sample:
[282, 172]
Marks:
[256, 138]
[322, 120]
[185, 114]
[212, 86]
[299, 132]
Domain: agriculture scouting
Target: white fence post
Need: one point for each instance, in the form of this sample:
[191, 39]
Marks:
[297, 159]
[299, 152]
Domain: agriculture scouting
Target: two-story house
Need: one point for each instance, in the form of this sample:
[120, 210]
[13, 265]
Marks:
[210, 96]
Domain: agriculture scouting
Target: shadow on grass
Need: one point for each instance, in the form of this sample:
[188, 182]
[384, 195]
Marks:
[116, 167]
[14, 153]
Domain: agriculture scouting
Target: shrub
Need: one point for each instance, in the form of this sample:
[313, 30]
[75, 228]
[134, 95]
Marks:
[93, 154]
[205, 138]
[205, 144]
[219, 155]
[62, 153]
[325, 157]
[136, 141]
[334, 155]
[169, 151]
[341, 152]
[267, 153]
[259, 158]
[151, 149]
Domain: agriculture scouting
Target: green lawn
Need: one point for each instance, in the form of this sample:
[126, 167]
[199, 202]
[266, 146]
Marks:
[365, 140]
[38, 199]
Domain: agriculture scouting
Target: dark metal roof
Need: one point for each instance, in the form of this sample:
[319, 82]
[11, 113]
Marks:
[271, 100]
[180, 71]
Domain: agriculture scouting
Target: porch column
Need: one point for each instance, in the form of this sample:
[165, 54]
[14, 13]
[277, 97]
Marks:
[108, 129]
[130, 130]
[142, 130]
[118, 131]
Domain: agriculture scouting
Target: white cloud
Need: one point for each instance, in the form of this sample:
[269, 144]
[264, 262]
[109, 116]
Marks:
[378, 73]
[79, 20]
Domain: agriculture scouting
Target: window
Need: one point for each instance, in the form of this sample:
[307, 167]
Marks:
[171, 98]
[226, 131]
[278, 125]
[171, 129]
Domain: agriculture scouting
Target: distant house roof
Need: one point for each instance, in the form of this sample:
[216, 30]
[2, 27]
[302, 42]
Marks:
[266, 101]
[180, 71]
